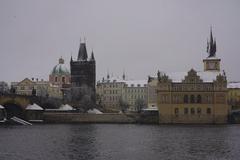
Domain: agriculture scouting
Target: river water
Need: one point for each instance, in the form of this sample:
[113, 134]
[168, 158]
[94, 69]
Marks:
[119, 142]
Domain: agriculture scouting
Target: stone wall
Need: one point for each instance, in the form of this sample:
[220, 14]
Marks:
[57, 117]
[68, 117]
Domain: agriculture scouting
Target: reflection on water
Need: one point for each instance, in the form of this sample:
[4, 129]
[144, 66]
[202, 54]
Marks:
[113, 141]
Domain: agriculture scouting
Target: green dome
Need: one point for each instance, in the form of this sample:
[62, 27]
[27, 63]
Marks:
[60, 68]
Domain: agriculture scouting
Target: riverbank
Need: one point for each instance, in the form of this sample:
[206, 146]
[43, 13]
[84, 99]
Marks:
[63, 117]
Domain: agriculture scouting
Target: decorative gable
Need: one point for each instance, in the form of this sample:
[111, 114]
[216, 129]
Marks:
[192, 77]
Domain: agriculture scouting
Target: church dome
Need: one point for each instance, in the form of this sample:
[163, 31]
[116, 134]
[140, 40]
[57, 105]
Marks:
[60, 68]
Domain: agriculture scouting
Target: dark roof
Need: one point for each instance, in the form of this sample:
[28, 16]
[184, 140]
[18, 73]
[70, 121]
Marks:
[82, 53]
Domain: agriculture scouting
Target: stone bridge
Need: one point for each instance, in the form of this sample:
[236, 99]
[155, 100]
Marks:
[15, 105]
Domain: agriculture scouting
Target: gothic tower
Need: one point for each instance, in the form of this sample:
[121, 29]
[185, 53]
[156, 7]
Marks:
[83, 75]
[211, 63]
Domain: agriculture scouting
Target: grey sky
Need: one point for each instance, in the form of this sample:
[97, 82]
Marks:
[140, 36]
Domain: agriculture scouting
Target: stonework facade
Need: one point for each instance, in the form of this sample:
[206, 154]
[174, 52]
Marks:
[194, 97]
[83, 75]
[113, 90]
[31, 87]
[234, 94]
[59, 80]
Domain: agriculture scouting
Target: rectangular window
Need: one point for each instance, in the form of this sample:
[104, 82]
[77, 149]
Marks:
[192, 111]
[208, 110]
[176, 111]
[199, 110]
[185, 110]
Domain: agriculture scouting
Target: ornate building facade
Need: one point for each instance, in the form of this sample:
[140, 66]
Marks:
[113, 90]
[194, 97]
[59, 80]
[83, 75]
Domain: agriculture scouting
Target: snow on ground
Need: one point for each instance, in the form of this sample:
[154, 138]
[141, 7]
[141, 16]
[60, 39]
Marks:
[34, 106]
[94, 111]
[66, 107]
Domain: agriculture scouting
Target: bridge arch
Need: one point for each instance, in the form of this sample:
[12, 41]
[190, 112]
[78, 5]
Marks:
[14, 105]
[13, 109]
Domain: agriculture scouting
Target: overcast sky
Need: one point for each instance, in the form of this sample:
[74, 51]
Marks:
[138, 36]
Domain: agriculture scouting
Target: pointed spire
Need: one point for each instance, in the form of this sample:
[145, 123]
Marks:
[92, 57]
[108, 75]
[211, 45]
[123, 76]
[82, 53]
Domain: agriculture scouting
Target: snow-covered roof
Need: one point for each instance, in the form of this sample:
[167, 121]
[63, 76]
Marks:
[66, 107]
[1, 107]
[150, 109]
[34, 107]
[233, 85]
[94, 111]
[212, 58]
[206, 76]
[129, 83]
[136, 83]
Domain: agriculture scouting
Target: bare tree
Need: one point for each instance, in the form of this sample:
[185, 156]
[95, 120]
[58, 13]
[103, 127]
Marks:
[139, 104]
[123, 105]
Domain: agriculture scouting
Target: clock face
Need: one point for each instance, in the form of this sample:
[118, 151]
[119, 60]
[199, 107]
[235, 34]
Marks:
[211, 65]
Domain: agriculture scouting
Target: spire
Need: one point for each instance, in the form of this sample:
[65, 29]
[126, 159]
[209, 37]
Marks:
[92, 57]
[108, 75]
[82, 53]
[123, 76]
[211, 45]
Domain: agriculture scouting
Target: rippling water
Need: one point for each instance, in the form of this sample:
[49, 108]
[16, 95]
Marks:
[119, 142]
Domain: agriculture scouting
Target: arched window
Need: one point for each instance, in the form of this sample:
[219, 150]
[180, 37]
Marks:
[56, 79]
[176, 111]
[199, 99]
[63, 79]
[192, 99]
[185, 99]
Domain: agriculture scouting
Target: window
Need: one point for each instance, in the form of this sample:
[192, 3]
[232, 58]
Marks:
[192, 111]
[199, 110]
[63, 79]
[185, 110]
[185, 99]
[192, 99]
[208, 110]
[199, 99]
[56, 79]
[176, 111]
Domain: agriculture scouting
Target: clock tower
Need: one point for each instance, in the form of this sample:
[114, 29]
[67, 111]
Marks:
[211, 63]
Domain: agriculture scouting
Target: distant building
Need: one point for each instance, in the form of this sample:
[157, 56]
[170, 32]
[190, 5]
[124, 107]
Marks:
[83, 75]
[59, 80]
[113, 90]
[31, 87]
[234, 94]
[60, 74]
[4, 87]
[194, 97]
[152, 92]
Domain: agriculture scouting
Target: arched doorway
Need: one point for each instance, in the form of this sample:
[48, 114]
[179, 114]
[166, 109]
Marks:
[13, 110]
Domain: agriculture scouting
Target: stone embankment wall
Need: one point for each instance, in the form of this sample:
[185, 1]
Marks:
[68, 117]
[55, 117]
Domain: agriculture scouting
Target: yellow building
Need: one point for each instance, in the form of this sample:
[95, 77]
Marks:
[234, 94]
[31, 87]
[152, 92]
[194, 97]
